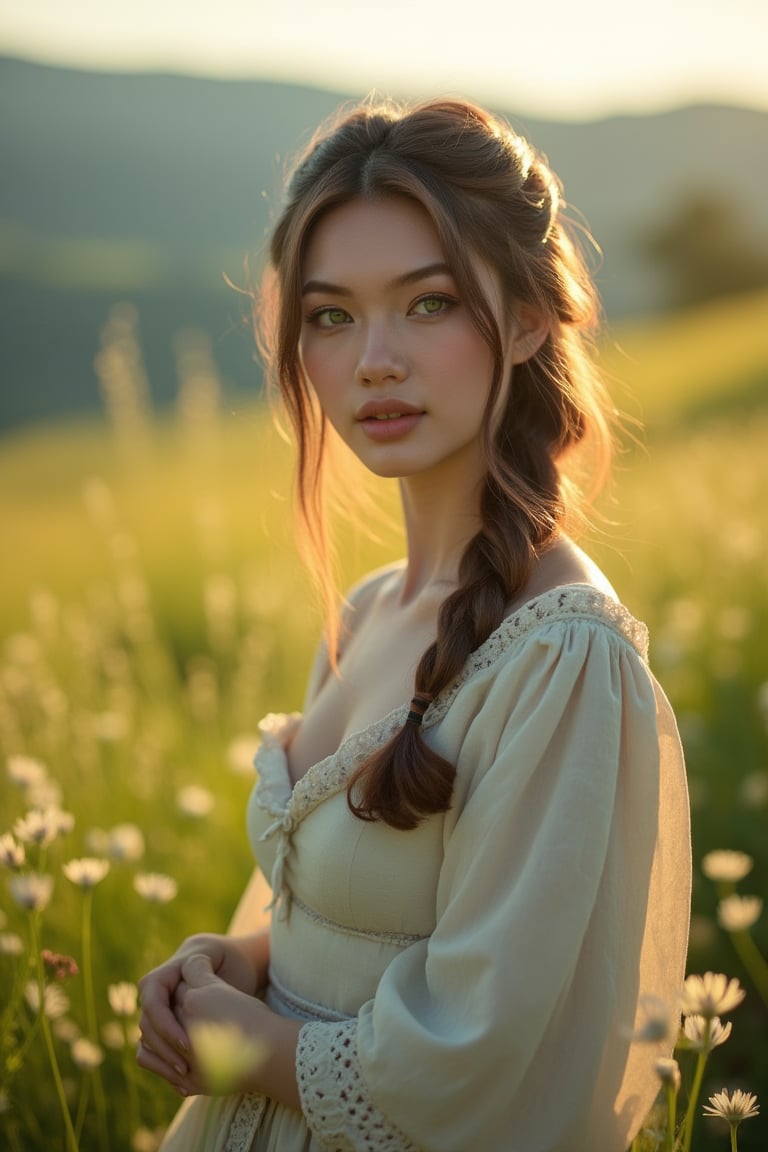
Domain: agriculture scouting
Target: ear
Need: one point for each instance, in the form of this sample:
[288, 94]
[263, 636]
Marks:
[528, 331]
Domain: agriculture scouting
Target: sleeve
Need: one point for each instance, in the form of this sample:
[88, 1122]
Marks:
[563, 900]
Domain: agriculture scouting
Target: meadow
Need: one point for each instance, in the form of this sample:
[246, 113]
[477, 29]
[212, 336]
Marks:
[153, 608]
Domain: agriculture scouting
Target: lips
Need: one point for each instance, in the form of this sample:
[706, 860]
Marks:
[386, 409]
[388, 419]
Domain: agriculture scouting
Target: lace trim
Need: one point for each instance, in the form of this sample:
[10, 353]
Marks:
[245, 1123]
[572, 602]
[334, 1097]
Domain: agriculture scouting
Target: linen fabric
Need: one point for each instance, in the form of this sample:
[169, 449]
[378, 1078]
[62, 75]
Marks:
[476, 983]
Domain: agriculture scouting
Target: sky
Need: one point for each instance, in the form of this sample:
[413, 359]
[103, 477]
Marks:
[566, 59]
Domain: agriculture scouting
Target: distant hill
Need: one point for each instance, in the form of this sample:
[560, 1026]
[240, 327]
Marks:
[152, 187]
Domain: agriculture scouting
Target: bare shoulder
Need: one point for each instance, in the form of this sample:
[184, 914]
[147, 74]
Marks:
[582, 569]
[565, 563]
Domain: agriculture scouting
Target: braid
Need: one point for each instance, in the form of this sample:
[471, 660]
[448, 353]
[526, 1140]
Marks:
[405, 780]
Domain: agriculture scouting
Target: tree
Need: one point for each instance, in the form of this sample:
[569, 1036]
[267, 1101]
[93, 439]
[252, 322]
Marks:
[707, 250]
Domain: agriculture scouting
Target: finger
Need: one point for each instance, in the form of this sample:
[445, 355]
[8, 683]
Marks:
[148, 1059]
[197, 971]
[165, 1035]
[158, 1020]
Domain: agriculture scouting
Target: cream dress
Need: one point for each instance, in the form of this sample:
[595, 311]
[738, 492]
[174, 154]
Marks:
[473, 985]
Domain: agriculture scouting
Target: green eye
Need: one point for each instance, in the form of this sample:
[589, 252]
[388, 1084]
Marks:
[329, 317]
[432, 305]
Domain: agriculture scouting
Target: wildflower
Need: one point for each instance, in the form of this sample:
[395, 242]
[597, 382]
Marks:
[726, 866]
[123, 998]
[31, 890]
[11, 944]
[668, 1072]
[655, 1026]
[24, 771]
[87, 872]
[86, 1054]
[739, 913]
[195, 801]
[55, 999]
[46, 794]
[58, 966]
[225, 1055]
[710, 995]
[154, 887]
[66, 1030]
[733, 1107]
[43, 825]
[116, 1034]
[12, 854]
[126, 842]
[112, 1035]
[702, 1034]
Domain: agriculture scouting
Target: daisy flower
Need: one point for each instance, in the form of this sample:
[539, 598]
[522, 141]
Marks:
[710, 995]
[732, 1106]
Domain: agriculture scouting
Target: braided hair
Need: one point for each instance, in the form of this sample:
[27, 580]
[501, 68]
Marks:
[489, 196]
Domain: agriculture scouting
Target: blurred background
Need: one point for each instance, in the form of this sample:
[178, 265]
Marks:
[151, 605]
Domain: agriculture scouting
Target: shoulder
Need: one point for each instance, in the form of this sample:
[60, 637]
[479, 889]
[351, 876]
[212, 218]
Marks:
[547, 648]
[561, 566]
[557, 617]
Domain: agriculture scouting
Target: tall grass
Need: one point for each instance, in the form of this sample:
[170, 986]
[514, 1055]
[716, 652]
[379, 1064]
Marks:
[153, 609]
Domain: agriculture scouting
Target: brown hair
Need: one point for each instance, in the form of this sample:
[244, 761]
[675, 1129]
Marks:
[489, 195]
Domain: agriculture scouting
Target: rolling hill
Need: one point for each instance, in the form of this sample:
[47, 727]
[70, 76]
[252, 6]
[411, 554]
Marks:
[153, 188]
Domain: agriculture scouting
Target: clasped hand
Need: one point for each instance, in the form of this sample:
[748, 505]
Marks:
[210, 979]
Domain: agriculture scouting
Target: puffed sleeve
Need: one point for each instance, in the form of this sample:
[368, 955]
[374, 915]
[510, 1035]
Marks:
[562, 901]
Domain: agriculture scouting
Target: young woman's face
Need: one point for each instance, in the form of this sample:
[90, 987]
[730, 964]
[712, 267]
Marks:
[387, 344]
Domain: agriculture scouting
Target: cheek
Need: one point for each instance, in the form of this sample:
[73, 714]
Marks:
[467, 361]
[320, 362]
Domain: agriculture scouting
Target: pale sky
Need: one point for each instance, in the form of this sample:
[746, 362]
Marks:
[562, 59]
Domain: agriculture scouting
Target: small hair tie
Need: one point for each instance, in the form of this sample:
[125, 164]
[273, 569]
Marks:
[419, 704]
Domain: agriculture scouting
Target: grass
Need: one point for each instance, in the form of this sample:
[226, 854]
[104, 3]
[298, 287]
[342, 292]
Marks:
[153, 609]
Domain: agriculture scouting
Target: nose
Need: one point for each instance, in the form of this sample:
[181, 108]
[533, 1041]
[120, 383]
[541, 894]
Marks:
[381, 361]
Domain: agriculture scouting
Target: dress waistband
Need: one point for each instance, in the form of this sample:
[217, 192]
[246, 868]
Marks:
[287, 1003]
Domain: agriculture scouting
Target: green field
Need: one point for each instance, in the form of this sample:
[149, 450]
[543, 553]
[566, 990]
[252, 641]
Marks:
[152, 609]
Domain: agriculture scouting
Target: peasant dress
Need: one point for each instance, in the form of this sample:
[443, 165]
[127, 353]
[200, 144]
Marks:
[480, 984]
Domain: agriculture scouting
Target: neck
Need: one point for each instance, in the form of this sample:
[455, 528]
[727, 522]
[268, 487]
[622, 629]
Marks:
[440, 520]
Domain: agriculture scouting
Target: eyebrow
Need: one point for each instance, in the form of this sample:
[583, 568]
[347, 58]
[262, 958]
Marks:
[439, 268]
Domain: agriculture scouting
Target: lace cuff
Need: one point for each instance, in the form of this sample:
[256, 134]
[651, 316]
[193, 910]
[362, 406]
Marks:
[334, 1098]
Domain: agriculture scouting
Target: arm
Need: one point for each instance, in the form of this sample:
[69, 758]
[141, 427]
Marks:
[562, 899]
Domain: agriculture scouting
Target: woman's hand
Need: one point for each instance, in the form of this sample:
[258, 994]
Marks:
[238, 964]
[201, 998]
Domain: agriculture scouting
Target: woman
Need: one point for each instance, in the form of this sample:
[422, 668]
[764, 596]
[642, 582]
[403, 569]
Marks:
[476, 833]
